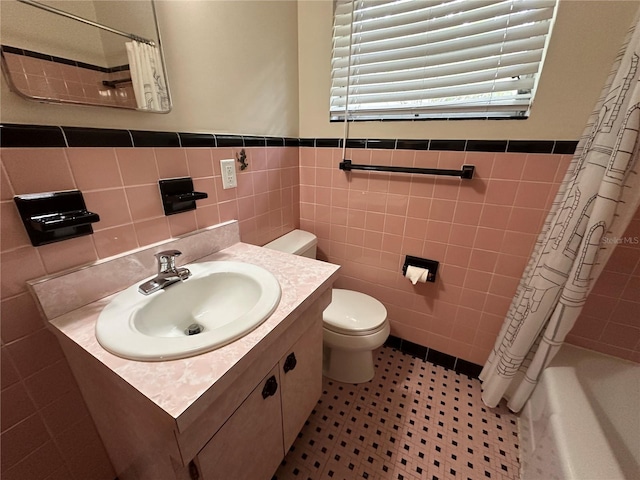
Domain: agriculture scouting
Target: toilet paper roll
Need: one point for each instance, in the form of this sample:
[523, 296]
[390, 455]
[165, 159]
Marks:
[417, 274]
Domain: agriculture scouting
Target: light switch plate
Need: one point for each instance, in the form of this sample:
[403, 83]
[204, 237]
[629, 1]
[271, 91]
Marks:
[228, 169]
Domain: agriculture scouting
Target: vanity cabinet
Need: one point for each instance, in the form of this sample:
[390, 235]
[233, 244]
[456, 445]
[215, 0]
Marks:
[231, 413]
[249, 444]
[301, 382]
[254, 440]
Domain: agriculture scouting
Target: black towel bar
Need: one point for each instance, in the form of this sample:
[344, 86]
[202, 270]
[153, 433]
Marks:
[466, 172]
[115, 83]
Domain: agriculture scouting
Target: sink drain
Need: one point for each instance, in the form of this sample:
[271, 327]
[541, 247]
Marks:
[193, 329]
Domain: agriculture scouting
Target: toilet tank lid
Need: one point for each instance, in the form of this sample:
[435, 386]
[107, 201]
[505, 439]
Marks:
[294, 242]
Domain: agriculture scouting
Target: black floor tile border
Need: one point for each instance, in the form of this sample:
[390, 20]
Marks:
[431, 355]
[34, 136]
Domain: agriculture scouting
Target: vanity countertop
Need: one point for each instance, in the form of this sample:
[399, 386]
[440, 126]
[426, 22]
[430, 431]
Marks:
[176, 384]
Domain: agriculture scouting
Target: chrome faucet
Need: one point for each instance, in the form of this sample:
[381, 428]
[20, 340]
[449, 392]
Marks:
[168, 274]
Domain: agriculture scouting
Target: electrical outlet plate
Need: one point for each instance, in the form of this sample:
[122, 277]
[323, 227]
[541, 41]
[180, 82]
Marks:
[228, 169]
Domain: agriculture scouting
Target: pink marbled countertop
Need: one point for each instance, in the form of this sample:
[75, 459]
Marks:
[176, 384]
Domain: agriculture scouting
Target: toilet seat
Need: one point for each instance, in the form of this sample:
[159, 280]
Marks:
[354, 313]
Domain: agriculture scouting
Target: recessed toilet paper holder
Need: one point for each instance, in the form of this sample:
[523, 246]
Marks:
[431, 265]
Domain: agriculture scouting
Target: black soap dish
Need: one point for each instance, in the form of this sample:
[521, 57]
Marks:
[178, 195]
[55, 216]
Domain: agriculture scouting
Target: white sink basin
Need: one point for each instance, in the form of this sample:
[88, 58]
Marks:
[226, 300]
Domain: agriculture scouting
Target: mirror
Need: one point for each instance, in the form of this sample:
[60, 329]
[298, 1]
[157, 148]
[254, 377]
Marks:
[101, 53]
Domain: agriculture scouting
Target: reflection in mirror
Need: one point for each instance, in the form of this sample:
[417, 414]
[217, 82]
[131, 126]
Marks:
[89, 53]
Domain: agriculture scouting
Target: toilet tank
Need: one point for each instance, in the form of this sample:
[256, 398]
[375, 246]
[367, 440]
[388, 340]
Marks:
[297, 242]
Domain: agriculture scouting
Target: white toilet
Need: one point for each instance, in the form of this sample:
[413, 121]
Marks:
[355, 324]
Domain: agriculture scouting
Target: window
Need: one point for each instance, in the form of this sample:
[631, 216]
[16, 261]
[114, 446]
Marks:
[417, 59]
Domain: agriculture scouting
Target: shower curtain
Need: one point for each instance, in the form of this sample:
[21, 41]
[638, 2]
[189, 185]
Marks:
[596, 201]
[147, 76]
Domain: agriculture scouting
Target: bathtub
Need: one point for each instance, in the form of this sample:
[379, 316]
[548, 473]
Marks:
[583, 420]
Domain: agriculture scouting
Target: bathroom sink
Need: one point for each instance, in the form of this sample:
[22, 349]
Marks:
[219, 303]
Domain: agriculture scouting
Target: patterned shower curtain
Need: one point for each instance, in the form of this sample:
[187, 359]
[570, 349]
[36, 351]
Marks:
[147, 76]
[596, 201]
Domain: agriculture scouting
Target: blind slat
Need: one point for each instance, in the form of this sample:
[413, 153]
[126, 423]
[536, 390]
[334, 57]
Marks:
[525, 38]
[442, 92]
[528, 61]
[496, 106]
[408, 58]
[426, 37]
[491, 75]
[471, 54]
[414, 22]
[379, 8]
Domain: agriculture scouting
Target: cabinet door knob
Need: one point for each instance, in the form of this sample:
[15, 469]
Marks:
[290, 362]
[194, 474]
[270, 387]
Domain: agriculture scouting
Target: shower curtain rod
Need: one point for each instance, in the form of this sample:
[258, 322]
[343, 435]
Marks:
[88, 22]
[466, 172]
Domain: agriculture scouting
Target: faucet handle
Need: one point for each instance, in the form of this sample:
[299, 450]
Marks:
[168, 253]
[167, 260]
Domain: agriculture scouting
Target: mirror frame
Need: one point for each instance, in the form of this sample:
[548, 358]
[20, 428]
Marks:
[59, 101]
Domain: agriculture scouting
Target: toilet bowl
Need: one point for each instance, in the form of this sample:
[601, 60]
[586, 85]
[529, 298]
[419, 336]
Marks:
[354, 324]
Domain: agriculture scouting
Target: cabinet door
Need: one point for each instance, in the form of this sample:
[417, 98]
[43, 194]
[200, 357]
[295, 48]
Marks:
[301, 378]
[249, 444]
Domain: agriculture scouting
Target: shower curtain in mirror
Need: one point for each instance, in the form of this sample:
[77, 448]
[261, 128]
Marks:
[596, 201]
[147, 76]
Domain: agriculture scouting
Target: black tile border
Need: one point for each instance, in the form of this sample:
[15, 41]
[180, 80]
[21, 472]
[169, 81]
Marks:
[29, 136]
[328, 143]
[528, 146]
[62, 60]
[143, 138]
[197, 139]
[97, 137]
[412, 144]
[560, 147]
[486, 146]
[389, 144]
[229, 141]
[448, 145]
[274, 142]
[307, 142]
[565, 147]
[413, 349]
[356, 143]
[253, 141]
[431, 355]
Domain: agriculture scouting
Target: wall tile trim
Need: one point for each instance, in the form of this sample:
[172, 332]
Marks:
[434, 356]
[560, 147]
[30, 136]
[34, 136]
[62, 60]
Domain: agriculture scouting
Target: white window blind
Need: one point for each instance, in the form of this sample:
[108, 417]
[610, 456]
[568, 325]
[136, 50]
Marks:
[412, 59]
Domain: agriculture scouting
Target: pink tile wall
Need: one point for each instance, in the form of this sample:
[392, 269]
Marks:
[46, 431]
[610, 320]
[40, 78]
[481, 231]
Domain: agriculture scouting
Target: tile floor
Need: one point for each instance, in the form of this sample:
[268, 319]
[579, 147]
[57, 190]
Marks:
[414, 420]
